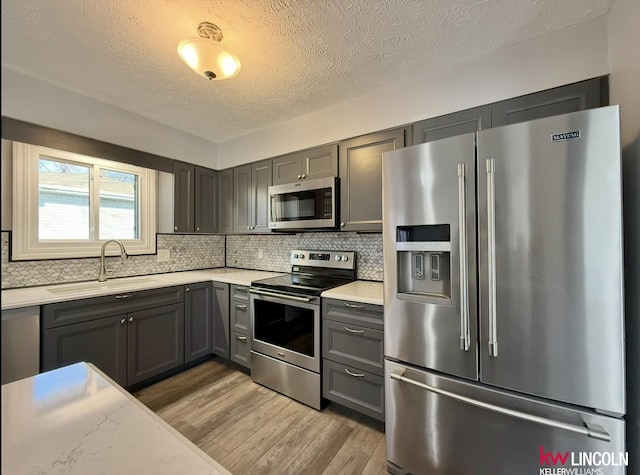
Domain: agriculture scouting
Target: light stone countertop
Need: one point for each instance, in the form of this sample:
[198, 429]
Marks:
[76, 420]
[32, 296]
[362, 291]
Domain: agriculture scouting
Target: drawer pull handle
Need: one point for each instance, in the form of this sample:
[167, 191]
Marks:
[351, 330]
[241, 338]
[351, 305]
[241, 306]
[124, 296]
[241, 288]
[355, 375]
[281, 354]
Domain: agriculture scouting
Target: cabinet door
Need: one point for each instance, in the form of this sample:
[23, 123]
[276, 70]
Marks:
[155, 342]
[560, 100]
[458, 123]
[242, 193]
[320, 162]
[261, 180]
[102, 342]
[239, 316]
[220, 320]
[240, 349]
[198, 303]
[206, 197]
[225, 201]
[183, 197]
[361, 178]
[287, 168]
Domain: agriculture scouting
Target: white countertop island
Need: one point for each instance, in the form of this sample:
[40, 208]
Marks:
[76, 420]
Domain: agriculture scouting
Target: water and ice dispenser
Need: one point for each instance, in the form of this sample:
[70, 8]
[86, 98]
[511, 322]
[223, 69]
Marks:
[424, 263]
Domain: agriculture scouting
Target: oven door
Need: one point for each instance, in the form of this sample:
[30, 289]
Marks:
[286, 328]
[308, 204]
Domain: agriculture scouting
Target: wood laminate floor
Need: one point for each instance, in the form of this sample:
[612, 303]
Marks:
[251, 429]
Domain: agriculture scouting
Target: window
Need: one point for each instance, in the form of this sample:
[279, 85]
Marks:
[67, 205]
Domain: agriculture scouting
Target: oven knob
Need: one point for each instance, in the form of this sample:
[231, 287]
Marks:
[295, 256]
[301, 256]
[345, 258]
[338, 258]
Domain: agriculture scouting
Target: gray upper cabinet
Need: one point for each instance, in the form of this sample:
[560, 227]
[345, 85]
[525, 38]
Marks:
[198, 305]
[560, 100]
[220, 320]
[206, 198]
[361, 178]
[450, 125]
[318, 162]
[195, 198]
[225, 201]
[251, 197]
[184, 181]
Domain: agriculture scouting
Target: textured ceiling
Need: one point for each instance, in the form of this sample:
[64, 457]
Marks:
[297, 55]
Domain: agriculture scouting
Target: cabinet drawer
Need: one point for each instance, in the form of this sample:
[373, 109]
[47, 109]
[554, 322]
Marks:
[356, 313]
[354, 388]
[353, 345]
[240, 292]
[240, 349]
[240, 316]
[75, 311]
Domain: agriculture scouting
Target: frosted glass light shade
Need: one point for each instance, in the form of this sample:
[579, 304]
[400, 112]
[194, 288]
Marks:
[208, 58]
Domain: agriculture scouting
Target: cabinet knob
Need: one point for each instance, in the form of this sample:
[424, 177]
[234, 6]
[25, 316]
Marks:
[175, 228]
[304, 176]
[299, 177]
[123, 321]
[249, 227]
[197, 228]
[187, 289]
[342, 225]
[130, 319]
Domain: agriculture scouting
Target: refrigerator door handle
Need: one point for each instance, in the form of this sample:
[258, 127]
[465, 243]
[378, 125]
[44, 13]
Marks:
[591, 430]
[464, 267]
[491, 255]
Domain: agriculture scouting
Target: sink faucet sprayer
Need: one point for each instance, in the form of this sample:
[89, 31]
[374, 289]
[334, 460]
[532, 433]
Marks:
[103, 268]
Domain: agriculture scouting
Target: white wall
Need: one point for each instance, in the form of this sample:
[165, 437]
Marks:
[32, 100]
[561, 57]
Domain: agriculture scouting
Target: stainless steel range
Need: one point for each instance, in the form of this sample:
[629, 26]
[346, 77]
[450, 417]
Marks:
[285, 322]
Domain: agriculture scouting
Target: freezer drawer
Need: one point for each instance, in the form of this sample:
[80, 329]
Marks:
[438, 425]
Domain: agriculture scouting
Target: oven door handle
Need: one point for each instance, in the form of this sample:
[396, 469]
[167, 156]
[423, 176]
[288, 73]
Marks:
[280, 296]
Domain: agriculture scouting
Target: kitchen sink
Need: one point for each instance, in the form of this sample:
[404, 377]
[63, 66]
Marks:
[98, 286]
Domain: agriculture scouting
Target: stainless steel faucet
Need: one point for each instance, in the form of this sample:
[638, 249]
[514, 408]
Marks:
[103, 267]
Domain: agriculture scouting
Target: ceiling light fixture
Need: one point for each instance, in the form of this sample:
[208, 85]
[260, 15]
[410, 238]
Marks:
[206, 56]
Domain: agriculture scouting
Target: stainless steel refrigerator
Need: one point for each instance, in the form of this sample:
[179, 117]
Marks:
[503, 291]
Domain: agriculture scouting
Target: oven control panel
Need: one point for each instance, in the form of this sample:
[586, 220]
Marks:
[329, 259]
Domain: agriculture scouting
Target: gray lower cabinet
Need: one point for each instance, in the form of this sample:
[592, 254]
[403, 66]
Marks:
[102, 342]
[353, 356]
[360, 168]
[155, 342]
[240, 324]
[220, 320]
[130, 336]
[198, 305]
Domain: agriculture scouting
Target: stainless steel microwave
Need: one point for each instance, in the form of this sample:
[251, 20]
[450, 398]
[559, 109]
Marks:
[310, 204]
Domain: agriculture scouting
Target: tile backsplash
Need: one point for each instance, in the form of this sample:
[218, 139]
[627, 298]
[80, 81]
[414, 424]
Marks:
[188, 252]
[242, 250]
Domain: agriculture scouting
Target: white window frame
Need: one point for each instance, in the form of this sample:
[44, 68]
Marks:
[25, 240]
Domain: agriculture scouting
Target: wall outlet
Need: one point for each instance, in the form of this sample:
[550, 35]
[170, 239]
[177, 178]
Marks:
[260, 254]
[164, 255]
